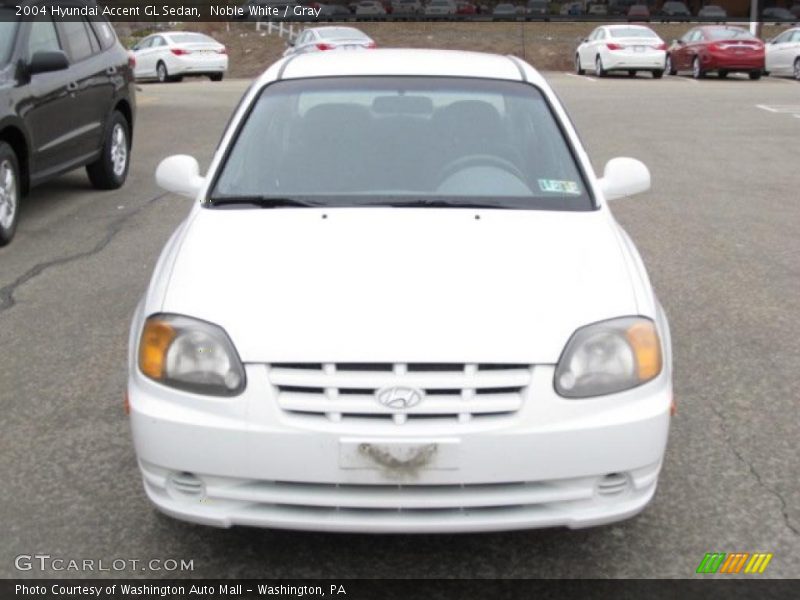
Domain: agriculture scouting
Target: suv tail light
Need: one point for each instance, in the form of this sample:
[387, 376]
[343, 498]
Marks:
[179, 51]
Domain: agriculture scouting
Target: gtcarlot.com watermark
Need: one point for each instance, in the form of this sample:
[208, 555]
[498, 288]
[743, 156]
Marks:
[46, 562]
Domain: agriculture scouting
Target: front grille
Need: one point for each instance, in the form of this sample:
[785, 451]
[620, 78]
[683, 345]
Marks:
[450, 391]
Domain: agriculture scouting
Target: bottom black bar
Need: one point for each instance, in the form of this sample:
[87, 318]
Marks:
[387, 589]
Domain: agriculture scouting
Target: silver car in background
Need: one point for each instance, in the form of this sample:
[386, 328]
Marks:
[319, 39]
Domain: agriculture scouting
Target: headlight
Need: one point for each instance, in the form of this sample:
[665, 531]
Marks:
[608, 357]
[191, 355]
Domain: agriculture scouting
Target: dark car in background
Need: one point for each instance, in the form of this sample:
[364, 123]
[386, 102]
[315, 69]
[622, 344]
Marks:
[67, 101]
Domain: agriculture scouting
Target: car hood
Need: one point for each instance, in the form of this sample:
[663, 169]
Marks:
[400, 284]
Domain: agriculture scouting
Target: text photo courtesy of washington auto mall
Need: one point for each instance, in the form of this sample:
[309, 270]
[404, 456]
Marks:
[297, 298]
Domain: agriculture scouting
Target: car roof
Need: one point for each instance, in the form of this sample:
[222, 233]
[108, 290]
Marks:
[399, 62]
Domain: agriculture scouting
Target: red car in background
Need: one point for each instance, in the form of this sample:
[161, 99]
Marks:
[466, 8]
[717, 48]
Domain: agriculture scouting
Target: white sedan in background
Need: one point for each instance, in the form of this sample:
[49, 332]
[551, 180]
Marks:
[440, 8]
[712, 12]
[370, 8]
[783, 54]
[628, 48]
[172, 55]
[319, 39]
[306, 356]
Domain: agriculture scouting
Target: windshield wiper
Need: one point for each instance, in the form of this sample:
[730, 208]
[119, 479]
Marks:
[262, 201]
[435, 204]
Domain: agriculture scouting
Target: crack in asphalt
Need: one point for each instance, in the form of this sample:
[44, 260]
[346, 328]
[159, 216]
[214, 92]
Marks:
[756, 475]
[7, 300]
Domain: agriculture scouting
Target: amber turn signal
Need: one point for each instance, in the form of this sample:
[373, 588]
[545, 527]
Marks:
[646, 346]
[156, 338]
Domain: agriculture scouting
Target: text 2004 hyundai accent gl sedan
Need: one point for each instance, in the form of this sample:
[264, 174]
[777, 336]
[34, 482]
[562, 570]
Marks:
[400, 303]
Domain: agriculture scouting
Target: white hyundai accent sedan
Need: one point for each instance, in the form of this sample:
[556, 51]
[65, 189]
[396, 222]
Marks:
[623, 47]
[400, 303]
[172, 55]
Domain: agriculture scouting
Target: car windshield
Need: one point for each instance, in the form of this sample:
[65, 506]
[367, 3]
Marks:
[8, 32]
[632, 32]
[341, 33]
[728, 33]
[402, 141]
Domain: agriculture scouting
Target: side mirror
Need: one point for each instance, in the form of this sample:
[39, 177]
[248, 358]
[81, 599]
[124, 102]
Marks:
[47, 62]
[180, 174]
[624, 177]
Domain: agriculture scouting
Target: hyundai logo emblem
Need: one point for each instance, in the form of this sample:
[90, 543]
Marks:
[399, 398]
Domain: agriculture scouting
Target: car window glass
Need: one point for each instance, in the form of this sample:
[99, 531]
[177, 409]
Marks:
[158, 41]
[79, 45]
[42, 37]
[796, 37]
[105, 33]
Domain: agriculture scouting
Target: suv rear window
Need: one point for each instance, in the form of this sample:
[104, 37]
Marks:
[353, 141]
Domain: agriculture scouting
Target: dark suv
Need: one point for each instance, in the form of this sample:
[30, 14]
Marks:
[67, 100]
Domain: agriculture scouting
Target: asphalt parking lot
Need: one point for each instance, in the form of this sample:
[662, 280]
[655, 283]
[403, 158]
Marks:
[719, 235]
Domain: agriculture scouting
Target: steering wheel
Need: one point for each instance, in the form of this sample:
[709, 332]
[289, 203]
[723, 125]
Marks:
[481, 160]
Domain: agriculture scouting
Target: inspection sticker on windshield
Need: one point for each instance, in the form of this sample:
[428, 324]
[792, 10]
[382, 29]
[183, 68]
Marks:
[557, 186]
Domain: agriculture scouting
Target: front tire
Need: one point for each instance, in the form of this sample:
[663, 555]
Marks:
[796, 69]
[10, 191]
[755, 75]
[598, 67]
[110, 171]
[658, 74]
[216, 77]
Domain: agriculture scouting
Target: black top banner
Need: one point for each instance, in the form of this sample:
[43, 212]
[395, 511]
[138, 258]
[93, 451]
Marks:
[780, 12]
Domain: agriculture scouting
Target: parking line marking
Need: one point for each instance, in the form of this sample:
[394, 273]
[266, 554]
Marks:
[768, 108]
[581, 77]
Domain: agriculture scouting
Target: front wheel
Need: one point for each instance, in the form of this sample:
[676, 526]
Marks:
[796, 69]
[216, 77]
[658, 74]
[755, 75]
[10, 190]
[110, 171]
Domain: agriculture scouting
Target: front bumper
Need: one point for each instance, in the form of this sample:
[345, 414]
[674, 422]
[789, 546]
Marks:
[246, 461]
